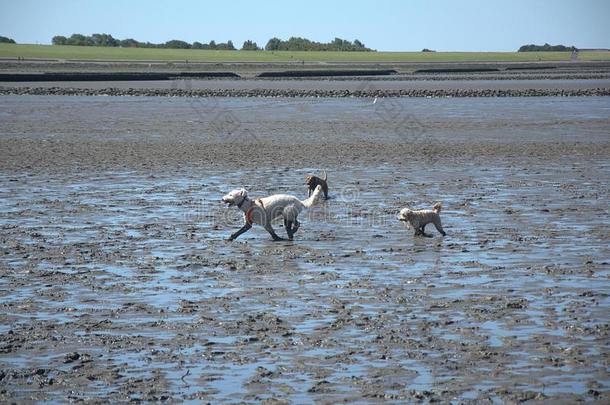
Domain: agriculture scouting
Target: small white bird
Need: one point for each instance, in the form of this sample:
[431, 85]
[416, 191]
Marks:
[374, 101]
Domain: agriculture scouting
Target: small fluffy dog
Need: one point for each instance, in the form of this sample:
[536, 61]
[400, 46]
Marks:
[313, 181]
[264, 210]
[419, 219]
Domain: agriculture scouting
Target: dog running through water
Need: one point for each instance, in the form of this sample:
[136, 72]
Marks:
[264, 210]
[419, 219]
[314, 181]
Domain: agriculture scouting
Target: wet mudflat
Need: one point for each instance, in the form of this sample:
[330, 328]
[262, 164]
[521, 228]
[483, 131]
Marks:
[116, 282]
[321, 84]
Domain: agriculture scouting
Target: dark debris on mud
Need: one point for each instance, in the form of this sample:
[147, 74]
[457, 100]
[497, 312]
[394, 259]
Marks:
[426, 93]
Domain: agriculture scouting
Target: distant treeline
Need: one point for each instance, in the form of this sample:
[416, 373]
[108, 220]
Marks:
[108, 40]
[546, 48]
[274, 44]
[304, 44]
[6, 40]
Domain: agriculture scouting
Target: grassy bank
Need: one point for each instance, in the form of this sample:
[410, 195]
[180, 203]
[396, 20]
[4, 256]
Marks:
[142, 54]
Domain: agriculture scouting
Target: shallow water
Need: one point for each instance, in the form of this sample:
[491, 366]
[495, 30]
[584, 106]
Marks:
[131, 270]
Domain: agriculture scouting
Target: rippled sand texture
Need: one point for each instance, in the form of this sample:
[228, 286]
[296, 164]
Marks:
[116, 282]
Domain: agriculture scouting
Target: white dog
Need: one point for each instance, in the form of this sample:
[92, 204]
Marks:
[419, 219]
[264, 210]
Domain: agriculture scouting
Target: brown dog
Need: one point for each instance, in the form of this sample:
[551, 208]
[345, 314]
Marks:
[313, 181]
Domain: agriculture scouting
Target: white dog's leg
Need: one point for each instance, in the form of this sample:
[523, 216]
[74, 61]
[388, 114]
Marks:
[243, 229]
[296, 224]
[291, 226]
[269, 229]
[290, 218]
[288, 227]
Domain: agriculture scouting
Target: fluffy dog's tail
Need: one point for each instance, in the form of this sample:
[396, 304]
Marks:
[437, 207]
[314, 199]
[325, 175]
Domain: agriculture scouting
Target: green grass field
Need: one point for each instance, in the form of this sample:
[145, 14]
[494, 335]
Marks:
[140, 54]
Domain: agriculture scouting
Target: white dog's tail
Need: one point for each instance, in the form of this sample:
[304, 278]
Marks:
[437, 207]
[325, 175]
[314, 199]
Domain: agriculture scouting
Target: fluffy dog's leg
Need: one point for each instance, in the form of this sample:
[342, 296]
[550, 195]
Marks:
[439, 227]
[415, 226]
[420, 230]
[423, 231]
[243, 229]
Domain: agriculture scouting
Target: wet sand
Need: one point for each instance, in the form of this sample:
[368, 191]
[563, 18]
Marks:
[116, 283]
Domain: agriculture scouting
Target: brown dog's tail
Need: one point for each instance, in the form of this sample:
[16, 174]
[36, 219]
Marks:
[437, 207]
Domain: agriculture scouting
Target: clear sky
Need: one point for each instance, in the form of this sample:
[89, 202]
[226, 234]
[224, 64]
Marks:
[391, 25]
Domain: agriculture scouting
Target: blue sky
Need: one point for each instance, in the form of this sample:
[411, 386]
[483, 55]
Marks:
[390, 25]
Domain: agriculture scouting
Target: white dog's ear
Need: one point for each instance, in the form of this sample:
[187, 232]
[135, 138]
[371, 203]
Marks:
[243, 192]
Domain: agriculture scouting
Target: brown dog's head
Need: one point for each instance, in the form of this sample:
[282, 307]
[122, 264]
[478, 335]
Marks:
[310, 181]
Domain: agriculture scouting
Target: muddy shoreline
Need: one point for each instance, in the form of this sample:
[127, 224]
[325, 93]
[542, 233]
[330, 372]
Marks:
[203, 93]
[117, 284]
[456, 80]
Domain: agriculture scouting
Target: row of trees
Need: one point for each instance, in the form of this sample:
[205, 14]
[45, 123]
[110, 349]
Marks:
[274, 44]
[109, 40]
[546, 48]
[304, 44]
